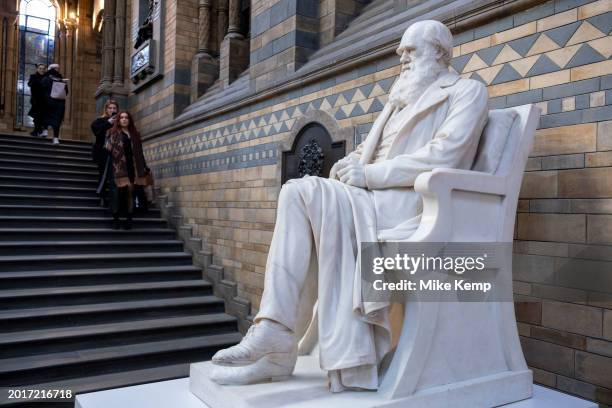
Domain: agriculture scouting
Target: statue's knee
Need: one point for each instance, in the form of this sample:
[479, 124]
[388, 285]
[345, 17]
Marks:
[289, 192]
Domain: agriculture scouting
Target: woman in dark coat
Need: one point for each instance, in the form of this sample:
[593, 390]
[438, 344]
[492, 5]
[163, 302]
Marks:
[54, 111]
[129, 167]
[99, 127]
[37, 99]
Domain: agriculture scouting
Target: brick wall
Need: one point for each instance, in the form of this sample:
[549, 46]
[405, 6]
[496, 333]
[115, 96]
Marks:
[223, 174]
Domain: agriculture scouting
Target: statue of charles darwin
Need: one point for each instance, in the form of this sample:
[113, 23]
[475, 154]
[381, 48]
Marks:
[432, 119]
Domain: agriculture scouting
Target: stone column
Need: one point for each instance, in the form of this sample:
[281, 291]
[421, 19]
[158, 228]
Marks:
[233, 29]
[119, 43]
[67, 70]
[204, 68]
[204, 26]
[222, 19]
[234, 52]
[108, 43]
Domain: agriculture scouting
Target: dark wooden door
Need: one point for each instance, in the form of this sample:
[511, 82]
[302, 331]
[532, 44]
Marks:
[313, 153]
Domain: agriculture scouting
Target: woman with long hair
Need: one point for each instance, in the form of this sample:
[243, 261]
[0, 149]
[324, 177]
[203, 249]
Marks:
[128, 165]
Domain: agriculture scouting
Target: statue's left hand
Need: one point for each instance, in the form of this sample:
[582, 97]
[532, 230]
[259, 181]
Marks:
[353, 175]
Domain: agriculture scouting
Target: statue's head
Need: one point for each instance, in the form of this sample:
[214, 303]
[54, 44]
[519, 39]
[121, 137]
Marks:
[425, 51]
[428, 41]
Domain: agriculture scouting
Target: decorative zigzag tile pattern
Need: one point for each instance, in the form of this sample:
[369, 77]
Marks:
[571, 45]
[353, 102]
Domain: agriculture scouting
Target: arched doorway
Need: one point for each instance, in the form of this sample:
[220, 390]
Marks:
[36, 46]
[313, 153]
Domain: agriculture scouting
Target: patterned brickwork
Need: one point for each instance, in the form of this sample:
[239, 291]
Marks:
[223, 173]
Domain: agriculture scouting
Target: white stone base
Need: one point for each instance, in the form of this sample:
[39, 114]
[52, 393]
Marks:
[308, 389]
[305, 389]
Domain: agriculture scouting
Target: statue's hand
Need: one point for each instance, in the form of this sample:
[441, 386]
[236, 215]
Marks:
[353, 174]
[340, 164]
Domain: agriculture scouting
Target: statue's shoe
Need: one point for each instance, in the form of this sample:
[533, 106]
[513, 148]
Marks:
[270, 367]
[262, 340]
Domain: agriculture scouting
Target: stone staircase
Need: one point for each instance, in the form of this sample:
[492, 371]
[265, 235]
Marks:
[85, 307]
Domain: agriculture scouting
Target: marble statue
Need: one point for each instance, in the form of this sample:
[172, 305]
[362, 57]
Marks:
[433, 119]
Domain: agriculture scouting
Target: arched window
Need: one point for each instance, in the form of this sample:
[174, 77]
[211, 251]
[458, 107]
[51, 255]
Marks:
[36, 45]
[313, 153]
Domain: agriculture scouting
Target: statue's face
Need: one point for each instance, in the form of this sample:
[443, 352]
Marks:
[414, 51]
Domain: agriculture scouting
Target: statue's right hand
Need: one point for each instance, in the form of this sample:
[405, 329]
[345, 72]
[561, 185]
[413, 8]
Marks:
[340, 164]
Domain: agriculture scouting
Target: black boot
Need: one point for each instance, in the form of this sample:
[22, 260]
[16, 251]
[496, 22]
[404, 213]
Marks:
[127, 225]
[116, 223]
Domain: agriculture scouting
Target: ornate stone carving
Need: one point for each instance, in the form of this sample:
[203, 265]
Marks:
[311, 159]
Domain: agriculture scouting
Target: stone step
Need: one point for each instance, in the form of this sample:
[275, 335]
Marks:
[66, 211]
[57, 200]
[50, 165]
[47, 190]
[51, 151]
[7, 221]
[48, 158]
[16, 299]
[81, 261]
[48, 181]
[97, 276]
[115, 334]
[33, 336]
[57, 316]
[91, 247]
[38, 174]
[49, 366]
[84, 234]
[45, 141]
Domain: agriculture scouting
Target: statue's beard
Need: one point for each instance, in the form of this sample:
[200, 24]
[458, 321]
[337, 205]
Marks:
[412, 83]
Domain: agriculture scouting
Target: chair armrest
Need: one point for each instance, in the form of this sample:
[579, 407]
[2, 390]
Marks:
[440, 181]
[448, 217]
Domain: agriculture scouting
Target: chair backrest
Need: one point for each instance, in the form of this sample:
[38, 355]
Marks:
[503, 151]
[493, 140]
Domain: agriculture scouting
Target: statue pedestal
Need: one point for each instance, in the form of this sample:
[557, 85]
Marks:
[308, 388]
[311, 392]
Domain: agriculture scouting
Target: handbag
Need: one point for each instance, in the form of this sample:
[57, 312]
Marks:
[58, 90]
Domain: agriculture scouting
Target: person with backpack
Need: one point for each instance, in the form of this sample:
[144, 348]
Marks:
[37, 99]
[56, 91]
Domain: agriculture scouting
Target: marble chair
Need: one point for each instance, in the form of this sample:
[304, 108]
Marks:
[468, 353]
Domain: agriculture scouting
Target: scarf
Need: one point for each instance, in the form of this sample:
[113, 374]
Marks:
[114, 144]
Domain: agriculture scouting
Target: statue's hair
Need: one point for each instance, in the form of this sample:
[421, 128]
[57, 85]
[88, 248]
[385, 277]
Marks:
[438, 35]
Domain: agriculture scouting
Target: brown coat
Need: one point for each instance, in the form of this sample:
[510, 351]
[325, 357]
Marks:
[114, 144]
